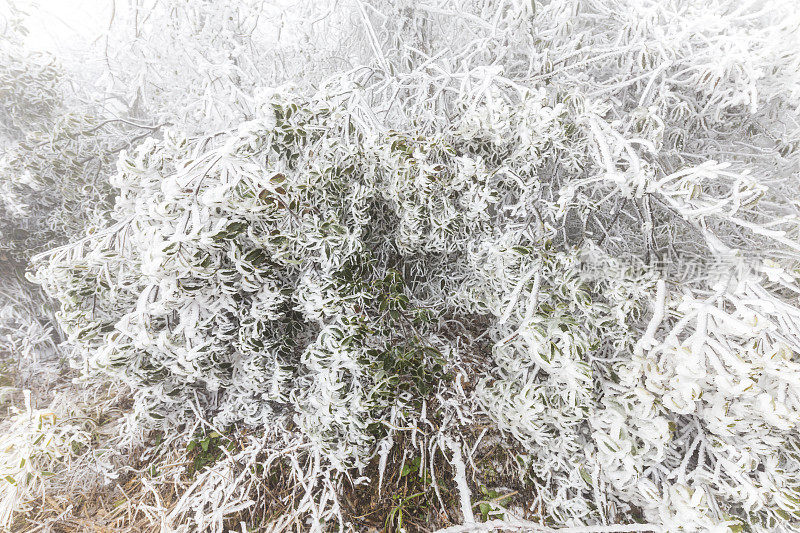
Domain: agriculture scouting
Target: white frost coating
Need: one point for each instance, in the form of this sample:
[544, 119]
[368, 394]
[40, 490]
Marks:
[384, 448]
[515, 294]
[530, 308]
[460, 477]
[525, 526]
[648, 339]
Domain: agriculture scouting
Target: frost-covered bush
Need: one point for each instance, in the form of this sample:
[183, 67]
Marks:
[56, 150]
[570, 222]
[57, 153]
[48, 178]
[35, 445]
[301, 270]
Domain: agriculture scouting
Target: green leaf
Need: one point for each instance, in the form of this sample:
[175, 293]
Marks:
[485, 508]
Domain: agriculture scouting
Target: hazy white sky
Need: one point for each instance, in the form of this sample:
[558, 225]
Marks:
[57, 25]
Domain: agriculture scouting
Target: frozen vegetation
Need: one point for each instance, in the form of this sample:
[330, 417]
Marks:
[480, 265]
